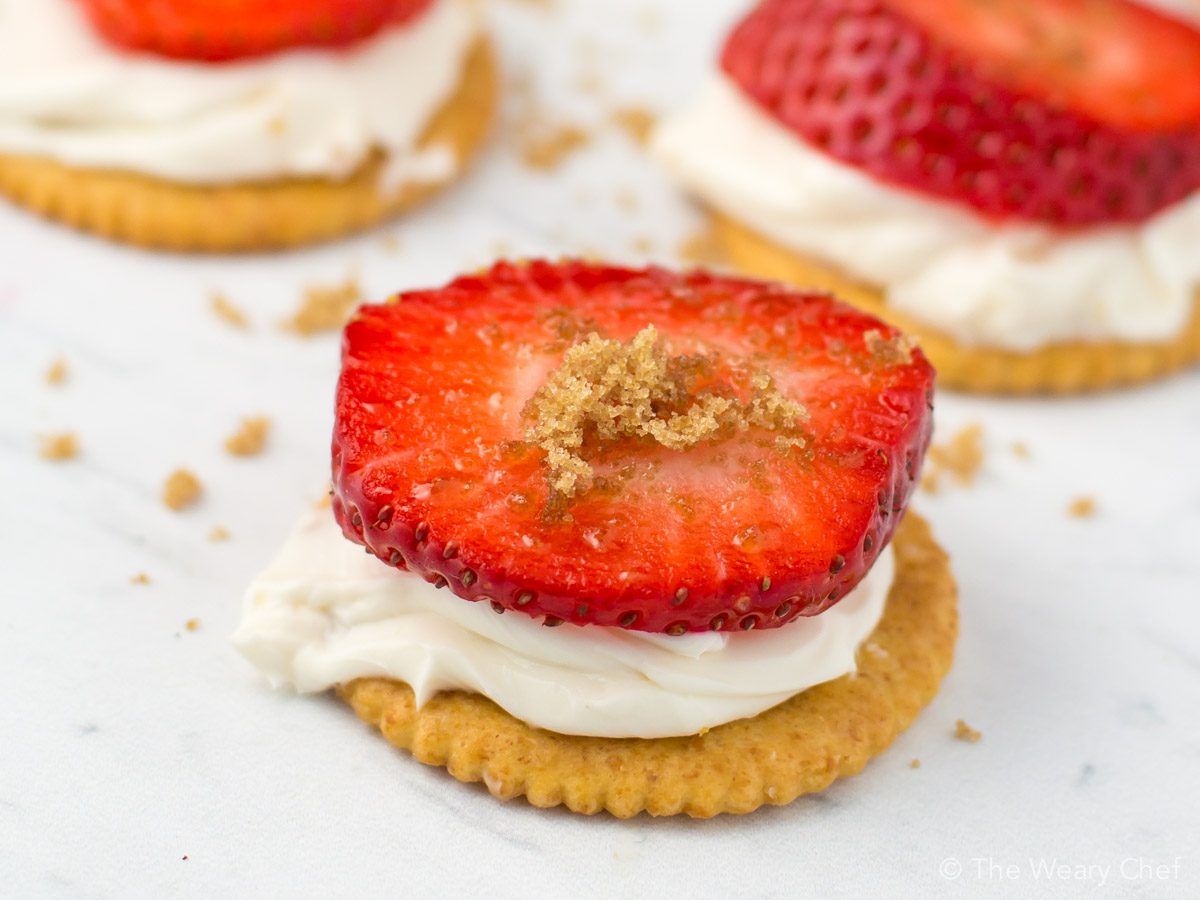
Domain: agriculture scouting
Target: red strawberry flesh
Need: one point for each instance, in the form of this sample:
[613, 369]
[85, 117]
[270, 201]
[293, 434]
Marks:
[1069, 112]
[222, 30]
[432, 472]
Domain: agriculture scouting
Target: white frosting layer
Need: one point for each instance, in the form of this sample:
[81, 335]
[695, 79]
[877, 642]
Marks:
[324, 612]
[67, 95]
[1016, 286]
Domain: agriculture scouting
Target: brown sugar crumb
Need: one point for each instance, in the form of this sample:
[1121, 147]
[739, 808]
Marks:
[58, 447]
[964, 732]
[1082, 508]
[702, 248]
[181, 490]
[58, 372]
[227, 312]
[324, 308]
[1020, 450]
[642, 245]
[544, 146]
[889, 351]
[606, 390]
[192, 624]
[961, 456]
[915, 764]
[250, 438]
[219, 533]
[635, 121]
[140, 578]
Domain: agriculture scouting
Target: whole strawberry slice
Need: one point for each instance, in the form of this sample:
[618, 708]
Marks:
[1070, 112]
[220, 30]
[640, 449]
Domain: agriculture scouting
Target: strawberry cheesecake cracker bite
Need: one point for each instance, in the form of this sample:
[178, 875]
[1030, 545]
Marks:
[229, 125]
[634, 540]
[1016, 184]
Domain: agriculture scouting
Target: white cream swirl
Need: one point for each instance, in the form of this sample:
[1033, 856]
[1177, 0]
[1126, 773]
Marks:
[324, 613]
[1016, 286]
[67, 95]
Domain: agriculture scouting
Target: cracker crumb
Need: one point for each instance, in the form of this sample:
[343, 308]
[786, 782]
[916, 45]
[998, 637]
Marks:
[546, 146]
[391, 243]
[636, 121]
[701, 248]
[642, 245]
[224, 310]
[250, 438]
[192, 624]
[1082, 508]
[58, 447]
[140, 578]
[181, 490]
[889, 351]
[1020, 450]
[961, 457]
[219, 533]
[606, 390]
[964, 732]
[626, 200]
[58, 372]
[915, 764]
[277, 125]
[324, 308]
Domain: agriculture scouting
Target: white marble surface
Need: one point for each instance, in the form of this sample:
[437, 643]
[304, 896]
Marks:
[140, 759]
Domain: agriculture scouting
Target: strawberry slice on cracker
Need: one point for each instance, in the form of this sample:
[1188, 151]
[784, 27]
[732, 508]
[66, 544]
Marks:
[222, 30]
[1068, 112]
[634, 448]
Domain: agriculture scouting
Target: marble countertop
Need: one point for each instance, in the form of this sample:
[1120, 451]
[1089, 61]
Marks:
[140, 758]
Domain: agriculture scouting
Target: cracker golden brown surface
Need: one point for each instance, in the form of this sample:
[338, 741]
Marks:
[1061, 368]
[798, 747]
[160, 214]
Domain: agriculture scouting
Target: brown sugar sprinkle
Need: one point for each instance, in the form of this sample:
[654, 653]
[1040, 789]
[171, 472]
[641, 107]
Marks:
[58, 447]
[701, 248]
[181, 490]
[636, 121]
[324, 308]
[224, 310]
[889, 351]
[545, 147]
[250, 438]
[642, 244]
[961, 457]
[964, 732]
[1020, 450]
[219, 533]
[140, 578]
[1082, 508]
[192, 624]
[915, 764]
[58, 372]
[606, 390]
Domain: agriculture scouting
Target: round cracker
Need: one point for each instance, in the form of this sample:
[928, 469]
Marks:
[802, 745]
[1060, 368]
[160, 214]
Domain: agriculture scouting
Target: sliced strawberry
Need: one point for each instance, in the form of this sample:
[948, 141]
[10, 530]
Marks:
[220, 30]
[1071, 112]
[432, 470]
